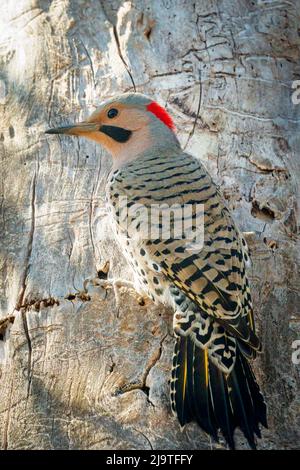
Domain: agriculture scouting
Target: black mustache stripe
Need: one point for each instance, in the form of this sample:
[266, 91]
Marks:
[117, 133]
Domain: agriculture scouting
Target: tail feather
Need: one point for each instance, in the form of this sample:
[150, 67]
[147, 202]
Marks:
[242, 417]
[222, 407]
[179, 383]
[257, 397]
[202, 392]
[248, 399]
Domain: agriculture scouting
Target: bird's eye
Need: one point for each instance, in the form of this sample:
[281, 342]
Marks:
[111, 113]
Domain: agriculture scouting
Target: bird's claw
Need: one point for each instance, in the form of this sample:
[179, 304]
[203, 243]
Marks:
[114, 284]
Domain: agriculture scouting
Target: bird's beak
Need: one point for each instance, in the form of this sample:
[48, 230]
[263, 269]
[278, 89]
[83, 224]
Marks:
[81, 128]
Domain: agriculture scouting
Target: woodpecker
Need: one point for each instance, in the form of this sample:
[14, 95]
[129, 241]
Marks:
[206, 286]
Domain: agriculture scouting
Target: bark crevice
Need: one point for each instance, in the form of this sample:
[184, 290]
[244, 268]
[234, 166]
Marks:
[29, 246]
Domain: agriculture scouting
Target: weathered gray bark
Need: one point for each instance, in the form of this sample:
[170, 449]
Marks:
[74, 374]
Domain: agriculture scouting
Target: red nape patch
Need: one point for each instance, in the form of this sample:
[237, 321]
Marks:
[161, 114]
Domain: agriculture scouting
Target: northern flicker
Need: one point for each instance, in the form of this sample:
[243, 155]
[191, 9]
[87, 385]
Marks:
[212, 382]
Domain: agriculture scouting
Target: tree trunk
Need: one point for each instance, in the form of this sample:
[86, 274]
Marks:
[75, 372]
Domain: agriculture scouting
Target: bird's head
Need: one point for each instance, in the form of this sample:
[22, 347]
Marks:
[127, 126]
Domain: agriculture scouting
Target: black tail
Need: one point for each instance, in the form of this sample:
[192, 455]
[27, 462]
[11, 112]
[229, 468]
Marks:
[201, 392]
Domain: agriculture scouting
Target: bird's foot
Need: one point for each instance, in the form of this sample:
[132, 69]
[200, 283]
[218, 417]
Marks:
[116, 285]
